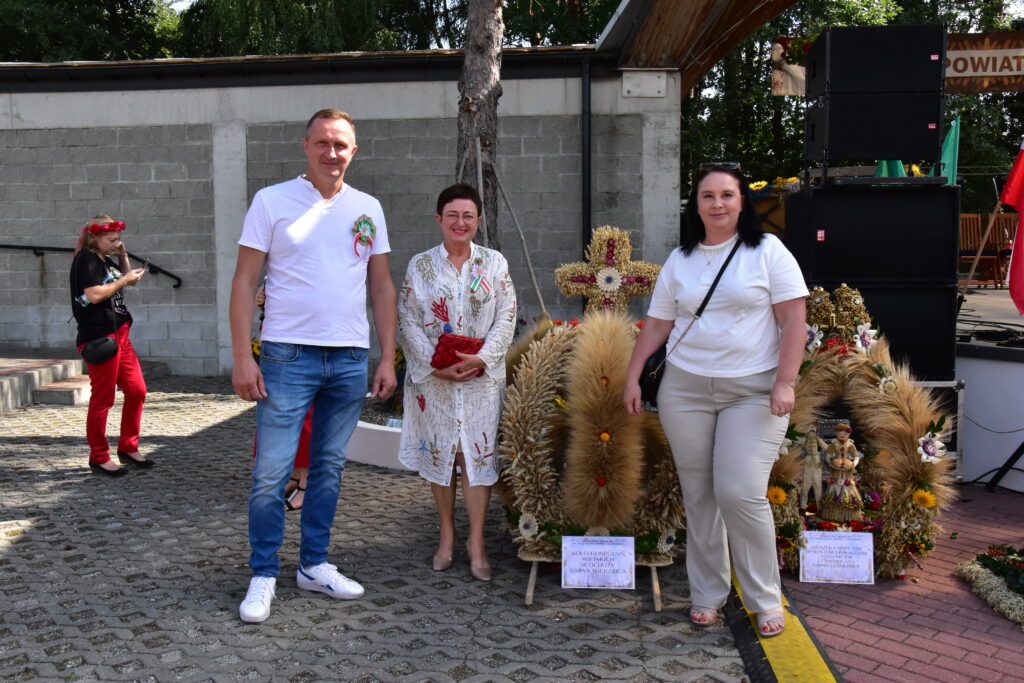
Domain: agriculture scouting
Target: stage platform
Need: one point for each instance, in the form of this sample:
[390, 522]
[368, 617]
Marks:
[990, 361]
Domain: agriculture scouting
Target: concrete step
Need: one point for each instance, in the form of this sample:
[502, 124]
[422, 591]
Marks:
[52, 381]
[20, 377]
[75, 391]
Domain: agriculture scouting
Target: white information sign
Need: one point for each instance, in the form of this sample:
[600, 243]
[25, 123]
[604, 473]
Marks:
[598, 562]
[838, 557]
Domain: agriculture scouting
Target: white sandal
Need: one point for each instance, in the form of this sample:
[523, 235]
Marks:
[703, 616]
[772, 616]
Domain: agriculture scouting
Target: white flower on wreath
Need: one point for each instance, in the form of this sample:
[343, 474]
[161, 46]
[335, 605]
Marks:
[667, 542]
[528, 526]
[930, 448]
[597, 531]
[784, 446]
[887, 383]
[608, 280]
[913, 526]
[864, 338]
[814, 336]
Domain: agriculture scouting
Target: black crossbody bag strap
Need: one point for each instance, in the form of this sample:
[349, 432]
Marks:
[700, 309]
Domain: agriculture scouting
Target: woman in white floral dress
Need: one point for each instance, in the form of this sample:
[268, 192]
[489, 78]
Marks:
[451, 414]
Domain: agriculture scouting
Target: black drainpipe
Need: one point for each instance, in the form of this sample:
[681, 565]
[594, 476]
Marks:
[585, 172]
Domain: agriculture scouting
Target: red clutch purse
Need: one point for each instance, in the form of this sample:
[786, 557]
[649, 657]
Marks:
[448, 344]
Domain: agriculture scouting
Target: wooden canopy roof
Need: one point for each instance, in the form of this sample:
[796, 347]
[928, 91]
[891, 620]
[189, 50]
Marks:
[689, 35]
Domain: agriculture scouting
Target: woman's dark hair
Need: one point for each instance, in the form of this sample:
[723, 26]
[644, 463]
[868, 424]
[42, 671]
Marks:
[749, 224]
[459, 191]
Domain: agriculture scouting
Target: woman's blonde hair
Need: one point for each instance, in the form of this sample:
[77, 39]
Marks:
[86, 240]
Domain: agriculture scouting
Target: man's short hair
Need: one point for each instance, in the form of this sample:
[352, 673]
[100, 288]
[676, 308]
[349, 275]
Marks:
[459, 191]
[330, 114]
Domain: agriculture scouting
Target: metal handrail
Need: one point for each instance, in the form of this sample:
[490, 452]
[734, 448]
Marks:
[40, 250]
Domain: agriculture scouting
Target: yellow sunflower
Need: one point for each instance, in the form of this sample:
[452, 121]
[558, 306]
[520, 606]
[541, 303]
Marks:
[777, 496]
[925, 499]
[759, 185]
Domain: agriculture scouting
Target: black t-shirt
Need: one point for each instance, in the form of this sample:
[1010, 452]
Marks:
[100, 319]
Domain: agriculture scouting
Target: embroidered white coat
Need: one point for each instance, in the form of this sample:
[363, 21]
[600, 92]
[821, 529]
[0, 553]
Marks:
[440, 415]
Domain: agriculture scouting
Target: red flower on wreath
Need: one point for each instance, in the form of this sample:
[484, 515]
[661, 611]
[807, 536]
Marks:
[828, 526]
[601, 481]
[836, 343]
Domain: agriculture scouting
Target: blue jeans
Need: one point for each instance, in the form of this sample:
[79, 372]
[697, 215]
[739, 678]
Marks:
[333, 380]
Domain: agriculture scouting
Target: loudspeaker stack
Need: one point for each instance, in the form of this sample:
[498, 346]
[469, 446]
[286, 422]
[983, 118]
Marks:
[877, 93]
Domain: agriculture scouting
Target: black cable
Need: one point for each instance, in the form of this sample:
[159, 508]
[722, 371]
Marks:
[977, 480]
[992, 431]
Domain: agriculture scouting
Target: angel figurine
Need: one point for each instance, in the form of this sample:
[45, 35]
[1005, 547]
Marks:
[810, 481]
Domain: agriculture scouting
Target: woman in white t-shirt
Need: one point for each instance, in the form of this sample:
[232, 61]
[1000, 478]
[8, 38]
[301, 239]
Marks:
[727, 390]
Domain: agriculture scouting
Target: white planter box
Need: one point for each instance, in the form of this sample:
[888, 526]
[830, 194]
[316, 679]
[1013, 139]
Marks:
[375, 445]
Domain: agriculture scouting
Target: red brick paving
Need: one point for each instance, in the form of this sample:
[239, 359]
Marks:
[930, 627]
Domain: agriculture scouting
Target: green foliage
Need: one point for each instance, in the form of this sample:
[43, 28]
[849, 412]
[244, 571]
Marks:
[732, 115]
[556, 22]
[1007, 563]
[90, 30]
[221, 28]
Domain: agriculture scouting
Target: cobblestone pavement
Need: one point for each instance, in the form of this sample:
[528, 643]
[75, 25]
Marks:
[139, 578]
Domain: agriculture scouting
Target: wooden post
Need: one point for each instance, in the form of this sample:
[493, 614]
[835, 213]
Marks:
[531, 584]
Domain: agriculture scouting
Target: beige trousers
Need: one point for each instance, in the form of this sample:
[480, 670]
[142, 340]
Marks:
[724, 441]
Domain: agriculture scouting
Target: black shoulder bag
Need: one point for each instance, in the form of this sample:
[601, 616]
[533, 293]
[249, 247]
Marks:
[98, 351]
[654, 368]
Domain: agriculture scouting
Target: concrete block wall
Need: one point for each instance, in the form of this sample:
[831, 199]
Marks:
[406, 162]
[155, 178]
[180, 167]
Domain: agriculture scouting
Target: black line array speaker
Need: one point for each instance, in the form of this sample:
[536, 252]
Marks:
[868, 127]
[897, 244]
[877, 59]
[875, 92]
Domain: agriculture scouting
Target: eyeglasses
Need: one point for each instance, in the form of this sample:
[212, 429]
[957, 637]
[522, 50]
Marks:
[720, 166]
[451, 217]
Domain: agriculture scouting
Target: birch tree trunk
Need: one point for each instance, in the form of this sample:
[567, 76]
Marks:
[479, 91]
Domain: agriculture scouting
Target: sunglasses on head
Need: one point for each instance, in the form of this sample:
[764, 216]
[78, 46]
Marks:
[720, 166]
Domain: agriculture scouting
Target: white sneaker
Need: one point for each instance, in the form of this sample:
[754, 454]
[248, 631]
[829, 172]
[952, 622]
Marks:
[256, 606]
[326, 579]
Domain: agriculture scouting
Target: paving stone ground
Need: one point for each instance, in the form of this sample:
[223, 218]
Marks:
[139, 578]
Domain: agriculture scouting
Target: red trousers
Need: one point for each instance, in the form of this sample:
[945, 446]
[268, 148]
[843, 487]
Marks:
[123, 371]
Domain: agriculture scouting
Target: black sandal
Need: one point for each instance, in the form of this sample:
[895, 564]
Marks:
[287, 493]
[288, 501]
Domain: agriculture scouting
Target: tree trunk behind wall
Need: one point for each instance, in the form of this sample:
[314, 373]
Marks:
[479, 91]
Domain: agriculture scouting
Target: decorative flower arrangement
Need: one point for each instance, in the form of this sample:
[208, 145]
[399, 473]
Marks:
[583, 465]
[608, 277]
[779, 187]
[528, 526]
[1007, 562]
[997, 575]
[924, 498]
[777, 495]
[864, 337]
[904, 490]
[796, 48]
[814, 335]
[929, 447]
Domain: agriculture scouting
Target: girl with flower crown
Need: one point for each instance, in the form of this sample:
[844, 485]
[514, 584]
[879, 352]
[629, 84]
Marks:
[97, 301]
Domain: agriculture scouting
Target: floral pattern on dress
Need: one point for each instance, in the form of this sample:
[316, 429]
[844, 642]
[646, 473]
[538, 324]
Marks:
[442, 416]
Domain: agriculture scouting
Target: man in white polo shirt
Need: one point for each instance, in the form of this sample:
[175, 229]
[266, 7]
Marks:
[324, 244]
